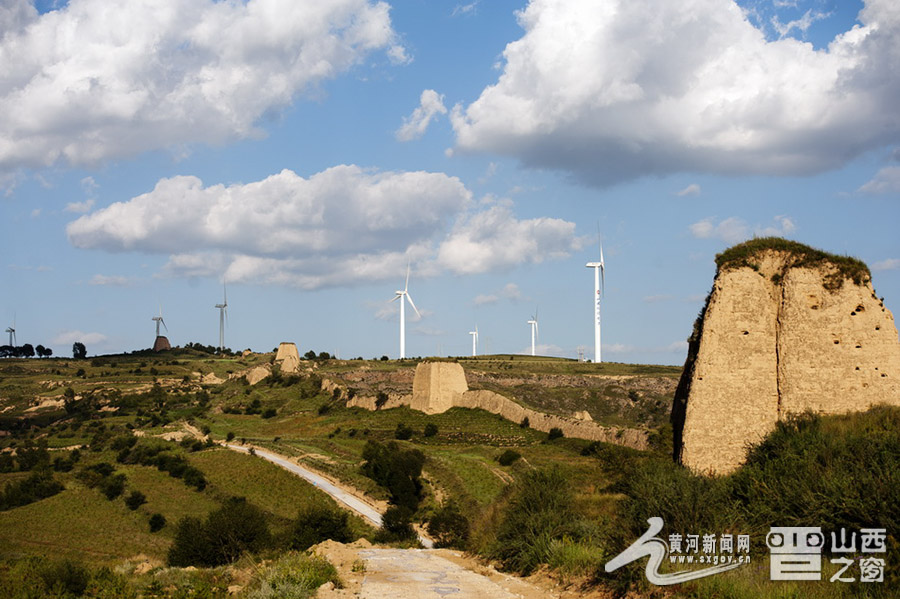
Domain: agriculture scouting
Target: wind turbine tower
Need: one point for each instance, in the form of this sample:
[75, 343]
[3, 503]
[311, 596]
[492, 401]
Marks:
[161, 342]
[534, 330]
[12, 333]
[474, 341]
[223, 315]
[599, 285]
[400, 295]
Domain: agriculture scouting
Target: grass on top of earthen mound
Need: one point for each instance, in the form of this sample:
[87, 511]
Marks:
[743, 254]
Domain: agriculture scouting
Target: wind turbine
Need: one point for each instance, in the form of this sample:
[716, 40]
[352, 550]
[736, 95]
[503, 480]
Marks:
[159, 319]
[474, 341]
[599, 288]
[223, 315]
[399, 295]
[534, 330]
[12, 332]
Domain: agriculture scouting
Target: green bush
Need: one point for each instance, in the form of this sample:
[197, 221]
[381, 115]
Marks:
[449, 527]
[431, 430]
[403, 432]
[396, 525]
[229, 531]
[64, 578]
[135, 500]
[397, 470]
[293, 576]
[315, 524]
[539, 512]
[554, 433]
[157, 522]
[508, 457]
[39, 485]
[113, 486]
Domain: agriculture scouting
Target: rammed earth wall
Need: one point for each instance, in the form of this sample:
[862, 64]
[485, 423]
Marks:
[775, 340]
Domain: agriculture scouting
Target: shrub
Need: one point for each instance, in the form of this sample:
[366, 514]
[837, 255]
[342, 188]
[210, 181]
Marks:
[449, 527]
[269, 413]
[315, 524]
[113, 486]
[396, 525]
[540, 510]
[65, 578]
[397, 470]
[525, 423]
[229, 531]
[431, 430]
[39, 485]
[135, 500]
[508, 457]
[229, 437]
[403, 432]
[381, 398]
[157, 522]
[293, 576]
[554, 433]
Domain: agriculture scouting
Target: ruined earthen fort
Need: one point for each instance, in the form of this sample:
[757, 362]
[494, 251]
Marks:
[786, 330]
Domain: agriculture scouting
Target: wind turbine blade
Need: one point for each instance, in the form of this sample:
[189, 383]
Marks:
[396, 297]
[406, 287]
[602, 273]
[163, 322]
[225, 292]
[413, 305]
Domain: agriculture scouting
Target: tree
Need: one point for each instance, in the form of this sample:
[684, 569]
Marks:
[79, 351]
[48, 352]
[27, 351]
[39, 350]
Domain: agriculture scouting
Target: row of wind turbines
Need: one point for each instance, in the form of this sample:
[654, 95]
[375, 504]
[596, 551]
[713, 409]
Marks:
[599, 287]
[403, 296]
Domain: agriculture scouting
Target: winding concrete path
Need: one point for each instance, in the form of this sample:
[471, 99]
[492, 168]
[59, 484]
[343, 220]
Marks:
[348, 500]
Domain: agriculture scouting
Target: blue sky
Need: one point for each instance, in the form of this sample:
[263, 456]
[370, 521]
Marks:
[307, 151]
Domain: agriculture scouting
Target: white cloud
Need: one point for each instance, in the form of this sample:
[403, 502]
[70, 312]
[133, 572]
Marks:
[510, 291]
[495, 239]
[733, 229]
[430, 104]
[80, 207]
[69, 337]
[642, 87]
[96, 80]
[342, 226]
[465, 9]
[802, 24]
[889, 264]
[887, 180]
[485, 299]
[691, 190]
[111, 280]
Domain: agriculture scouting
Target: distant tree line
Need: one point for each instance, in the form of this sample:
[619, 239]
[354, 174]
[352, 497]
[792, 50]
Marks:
[24, 351]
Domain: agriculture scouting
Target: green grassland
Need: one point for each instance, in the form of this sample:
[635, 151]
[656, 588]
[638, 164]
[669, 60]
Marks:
[612, 489]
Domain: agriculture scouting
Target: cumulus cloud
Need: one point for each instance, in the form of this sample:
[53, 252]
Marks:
[342, 226]
[733, 229]
[69, 337]
[430, 104]
[887, 180]
[96, 80]
[494, 240]
[642, 87]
